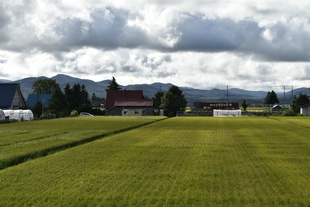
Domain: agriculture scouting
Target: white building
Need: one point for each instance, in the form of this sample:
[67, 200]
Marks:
[226, 113]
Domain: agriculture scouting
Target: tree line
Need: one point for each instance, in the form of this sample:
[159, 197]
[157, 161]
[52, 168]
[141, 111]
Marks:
[62, 103]
[272, 98]
[75, 99]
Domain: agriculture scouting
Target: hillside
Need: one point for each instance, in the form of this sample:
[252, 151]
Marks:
[192, 95]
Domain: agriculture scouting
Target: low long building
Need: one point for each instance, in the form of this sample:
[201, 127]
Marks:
[210, 106]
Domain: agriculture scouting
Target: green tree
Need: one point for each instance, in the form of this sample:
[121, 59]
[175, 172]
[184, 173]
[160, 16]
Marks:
[37, 109]
[58, 103]
[113, 85]
[157, 101]
[76, 96]
[44, 86]
[271, 98]
[173, 101]
[301, 100]
[244, 104]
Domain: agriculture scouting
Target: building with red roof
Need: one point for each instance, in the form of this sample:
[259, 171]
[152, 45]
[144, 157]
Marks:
[128, 103]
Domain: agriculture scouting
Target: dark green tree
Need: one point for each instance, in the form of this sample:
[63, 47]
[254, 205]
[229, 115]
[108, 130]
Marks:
[44, 86]
[244, 105]
[76, 96]
[271, 98]
[84, 95]
[173, 101]
[113, 85]
[58, 103]
[301, 100]
[37, 109]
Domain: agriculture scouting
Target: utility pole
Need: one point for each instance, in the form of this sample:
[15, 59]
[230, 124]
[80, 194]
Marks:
[292, 93]
[227, 99]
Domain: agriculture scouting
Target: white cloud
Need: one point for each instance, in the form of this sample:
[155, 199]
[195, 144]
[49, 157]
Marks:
[190, 43]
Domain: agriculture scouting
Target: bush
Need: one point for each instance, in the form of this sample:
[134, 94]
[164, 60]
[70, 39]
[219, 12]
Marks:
[289, 112]
[74, 113]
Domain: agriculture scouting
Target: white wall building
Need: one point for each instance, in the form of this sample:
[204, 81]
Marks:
[226, 113]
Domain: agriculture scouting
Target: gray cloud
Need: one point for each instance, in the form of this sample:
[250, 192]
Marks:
[4, 21]
[208, 35]
[108, 28]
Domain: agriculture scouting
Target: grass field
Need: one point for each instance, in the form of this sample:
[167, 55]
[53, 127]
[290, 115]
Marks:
[24, 140]
[185, 161]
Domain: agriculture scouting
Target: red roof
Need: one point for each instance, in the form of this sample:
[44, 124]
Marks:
[123, 96]
[141, 103]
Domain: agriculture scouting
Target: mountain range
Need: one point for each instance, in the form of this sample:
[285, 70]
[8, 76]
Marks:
[192, 95]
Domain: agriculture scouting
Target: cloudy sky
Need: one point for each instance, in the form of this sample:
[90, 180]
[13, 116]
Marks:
[199, 43]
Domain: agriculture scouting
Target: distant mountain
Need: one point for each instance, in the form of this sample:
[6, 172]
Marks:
[192, 95]
[4, 81]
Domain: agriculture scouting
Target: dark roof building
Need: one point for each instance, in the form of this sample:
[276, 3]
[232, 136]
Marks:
[128, 95]
[128, 102]
[33, 99]
[11, 96]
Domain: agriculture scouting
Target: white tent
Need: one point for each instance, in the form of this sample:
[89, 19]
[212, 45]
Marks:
[2, 115]
[9, 113]
[27, 115]
[226, 113]
[19, 115]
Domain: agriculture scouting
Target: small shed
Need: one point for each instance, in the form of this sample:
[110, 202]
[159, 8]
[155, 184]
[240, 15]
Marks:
[305, 110]
[276, 109]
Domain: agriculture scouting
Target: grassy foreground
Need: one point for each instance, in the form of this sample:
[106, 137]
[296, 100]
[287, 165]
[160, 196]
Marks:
[185, 161]
[22, 141]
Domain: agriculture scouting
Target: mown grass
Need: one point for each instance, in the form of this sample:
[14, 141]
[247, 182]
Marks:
[21, 141]
[248, 161]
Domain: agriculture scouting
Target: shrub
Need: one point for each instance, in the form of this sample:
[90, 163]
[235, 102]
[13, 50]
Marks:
[74, 113]
[289, 112]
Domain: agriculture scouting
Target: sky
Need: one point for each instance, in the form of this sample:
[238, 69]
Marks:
[204, 44]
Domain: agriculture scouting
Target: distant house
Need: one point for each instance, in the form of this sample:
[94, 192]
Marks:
[11, 96]
[128, 103]
[33, 99]
[305, 110]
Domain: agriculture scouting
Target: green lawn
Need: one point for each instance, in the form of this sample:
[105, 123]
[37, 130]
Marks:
[184, 161]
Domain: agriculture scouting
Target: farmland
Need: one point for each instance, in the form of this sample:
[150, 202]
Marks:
[24, 140]
[183, 161]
